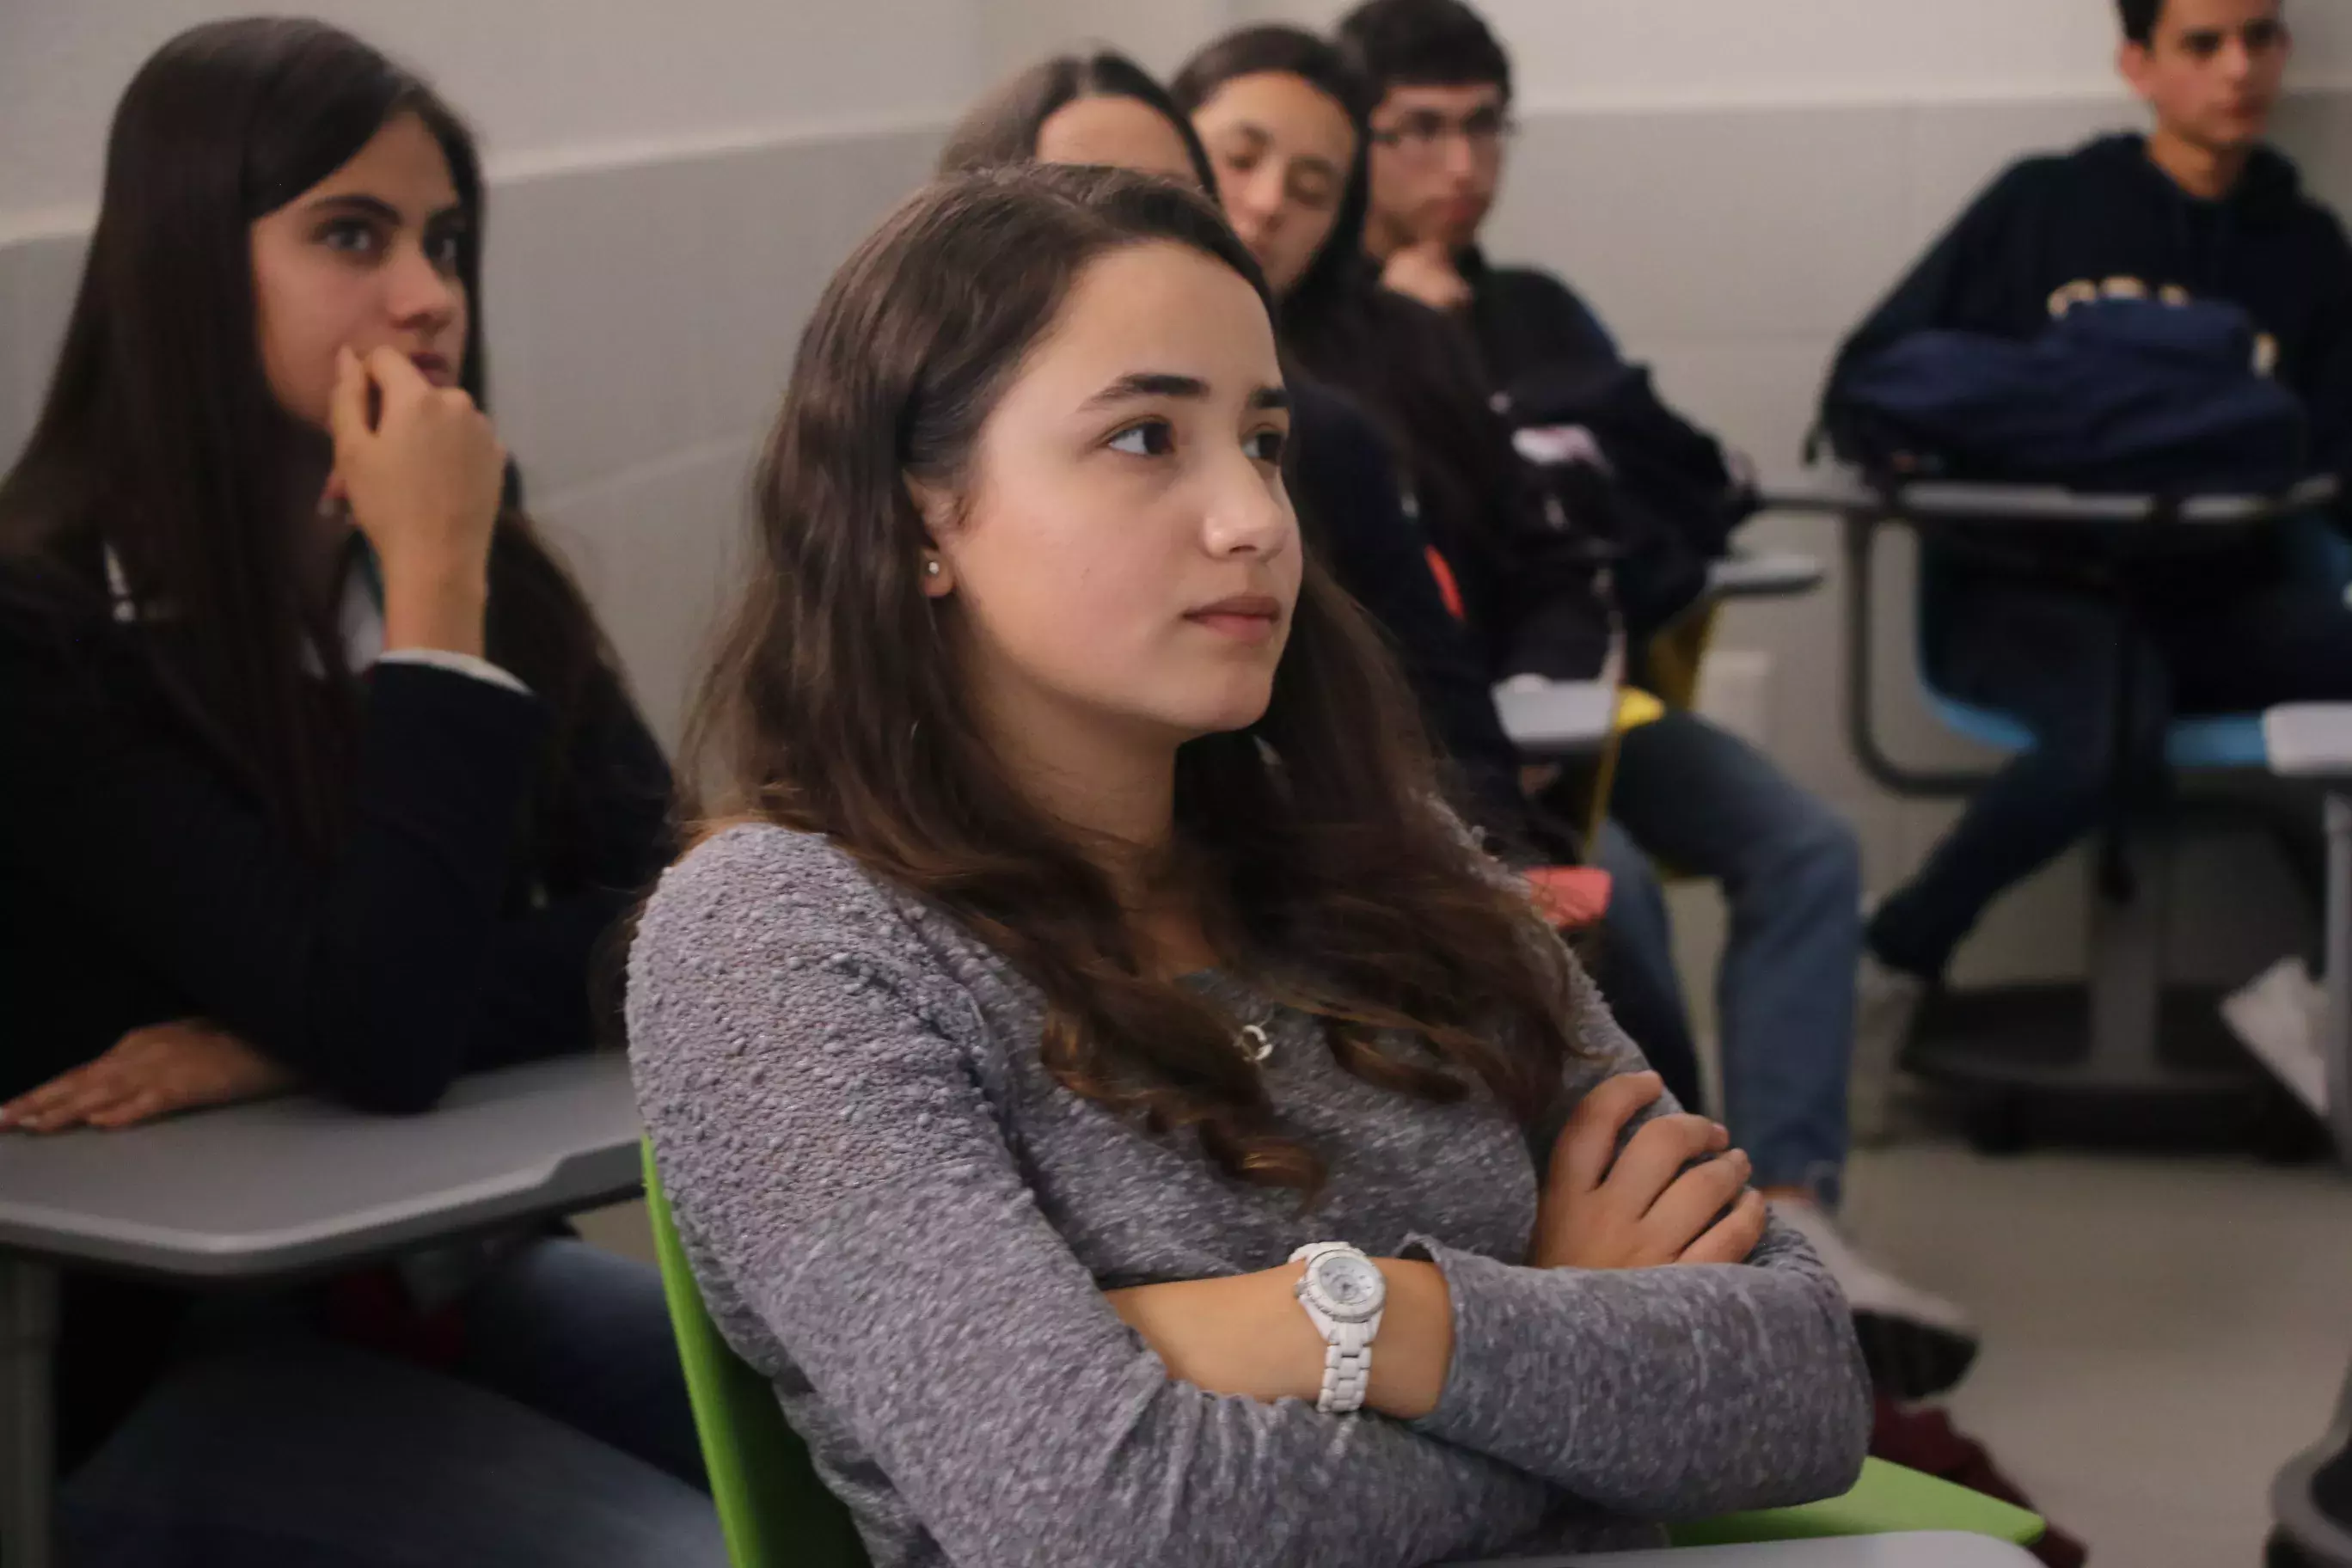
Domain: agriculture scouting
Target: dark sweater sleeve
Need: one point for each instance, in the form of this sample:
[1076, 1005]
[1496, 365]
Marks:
[380, 976]
[1348, 490]
[1748, 1378]
[2327, 389]
[1556, 616]
[554, 977]
[845, 1186]
[1527, 319]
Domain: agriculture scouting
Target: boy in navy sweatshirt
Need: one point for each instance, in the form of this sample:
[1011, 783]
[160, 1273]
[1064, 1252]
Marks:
[2200, 208]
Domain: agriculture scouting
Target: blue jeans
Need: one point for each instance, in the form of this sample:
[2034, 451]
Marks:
[566, 1442]
[1632, 962]
[1699, 799]
[2054, 657]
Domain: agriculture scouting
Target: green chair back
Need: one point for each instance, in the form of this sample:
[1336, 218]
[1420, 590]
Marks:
[774, 1510]
[1887, 1501]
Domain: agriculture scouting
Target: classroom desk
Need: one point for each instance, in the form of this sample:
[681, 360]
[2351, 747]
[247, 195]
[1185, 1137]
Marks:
[1559, 718]
[1764, 574]
[2117, 525]
[2126, 1040]
[1934, 1549]
[1844, 492]
[274, 1191]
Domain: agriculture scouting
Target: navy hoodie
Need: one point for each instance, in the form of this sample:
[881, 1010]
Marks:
[2106, 219]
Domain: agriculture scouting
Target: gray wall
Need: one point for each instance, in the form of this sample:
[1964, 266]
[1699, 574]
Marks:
[1731, 208]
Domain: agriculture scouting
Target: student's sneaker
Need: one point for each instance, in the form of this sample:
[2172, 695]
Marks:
[2281, 1015]
[1916, 1345]
[1885, 1004]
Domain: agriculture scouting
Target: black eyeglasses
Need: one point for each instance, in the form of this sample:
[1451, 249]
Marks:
[1422, 132]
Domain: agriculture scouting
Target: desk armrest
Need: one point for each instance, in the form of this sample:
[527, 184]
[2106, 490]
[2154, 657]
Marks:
[2309, 740]
[1764, 574]
[1557, 718]
[1948, 500]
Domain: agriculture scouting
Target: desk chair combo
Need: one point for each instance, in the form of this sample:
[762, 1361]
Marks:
[273, 1192]
[2131, 1039]
[777, 1513]
[1584, 721]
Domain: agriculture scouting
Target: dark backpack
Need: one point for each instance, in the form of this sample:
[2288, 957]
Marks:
[1666, 500]
[2118, 395]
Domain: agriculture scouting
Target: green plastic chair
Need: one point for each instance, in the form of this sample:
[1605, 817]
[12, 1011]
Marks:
[773, 1509]
[1887, 1501]
[777, 1514]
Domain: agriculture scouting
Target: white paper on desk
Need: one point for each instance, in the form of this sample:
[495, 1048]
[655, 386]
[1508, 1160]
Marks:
[1558, 713]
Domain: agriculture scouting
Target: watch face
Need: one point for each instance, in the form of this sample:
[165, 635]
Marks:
[1350, 1286]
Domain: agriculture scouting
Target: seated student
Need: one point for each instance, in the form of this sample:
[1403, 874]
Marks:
[2201, 206]
[1104, 109]
[317, 776]
[1259, 98]
[1108, 948]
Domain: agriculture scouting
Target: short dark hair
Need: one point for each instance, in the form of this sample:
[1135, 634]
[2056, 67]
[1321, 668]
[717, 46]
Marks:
[1423, 43]
[2140, 17]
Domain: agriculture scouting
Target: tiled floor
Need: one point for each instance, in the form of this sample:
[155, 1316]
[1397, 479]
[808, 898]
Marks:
[2160, 1334]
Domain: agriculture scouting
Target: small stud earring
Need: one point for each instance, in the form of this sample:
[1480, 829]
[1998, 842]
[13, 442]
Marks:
[930, 568]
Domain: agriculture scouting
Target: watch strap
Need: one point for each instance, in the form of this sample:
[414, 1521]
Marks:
[1347, 1368]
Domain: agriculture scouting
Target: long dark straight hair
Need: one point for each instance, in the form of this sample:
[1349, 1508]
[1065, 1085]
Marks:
[162, 446]
[1004, 127]
[1415, 370]
[1324, 866]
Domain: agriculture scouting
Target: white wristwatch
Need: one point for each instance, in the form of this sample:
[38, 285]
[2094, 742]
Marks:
[1343, 1292]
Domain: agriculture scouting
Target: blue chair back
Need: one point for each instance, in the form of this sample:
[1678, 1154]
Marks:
[2313, 549]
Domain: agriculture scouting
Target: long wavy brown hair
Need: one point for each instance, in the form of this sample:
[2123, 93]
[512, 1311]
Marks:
[1325, 868]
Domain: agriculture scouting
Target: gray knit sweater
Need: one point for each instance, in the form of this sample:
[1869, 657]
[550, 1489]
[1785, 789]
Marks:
[898, 1216]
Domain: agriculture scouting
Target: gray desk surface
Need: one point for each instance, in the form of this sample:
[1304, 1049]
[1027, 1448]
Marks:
[1840, 489]
[1563, 718]
[287, 1185]
[1939, 1548]
[2309, 740]
[1764, 574]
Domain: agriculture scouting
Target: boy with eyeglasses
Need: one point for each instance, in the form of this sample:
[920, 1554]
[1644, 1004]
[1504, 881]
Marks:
[1439, 135]
[1686, 791]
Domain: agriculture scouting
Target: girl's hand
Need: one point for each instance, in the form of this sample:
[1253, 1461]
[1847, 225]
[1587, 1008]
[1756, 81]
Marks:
[150, 1072]
[423, 479]
[1650, 1205]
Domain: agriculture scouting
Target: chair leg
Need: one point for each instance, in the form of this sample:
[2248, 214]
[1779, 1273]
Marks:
[2336, 1040]
[2127, 967]
[28, 1329]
